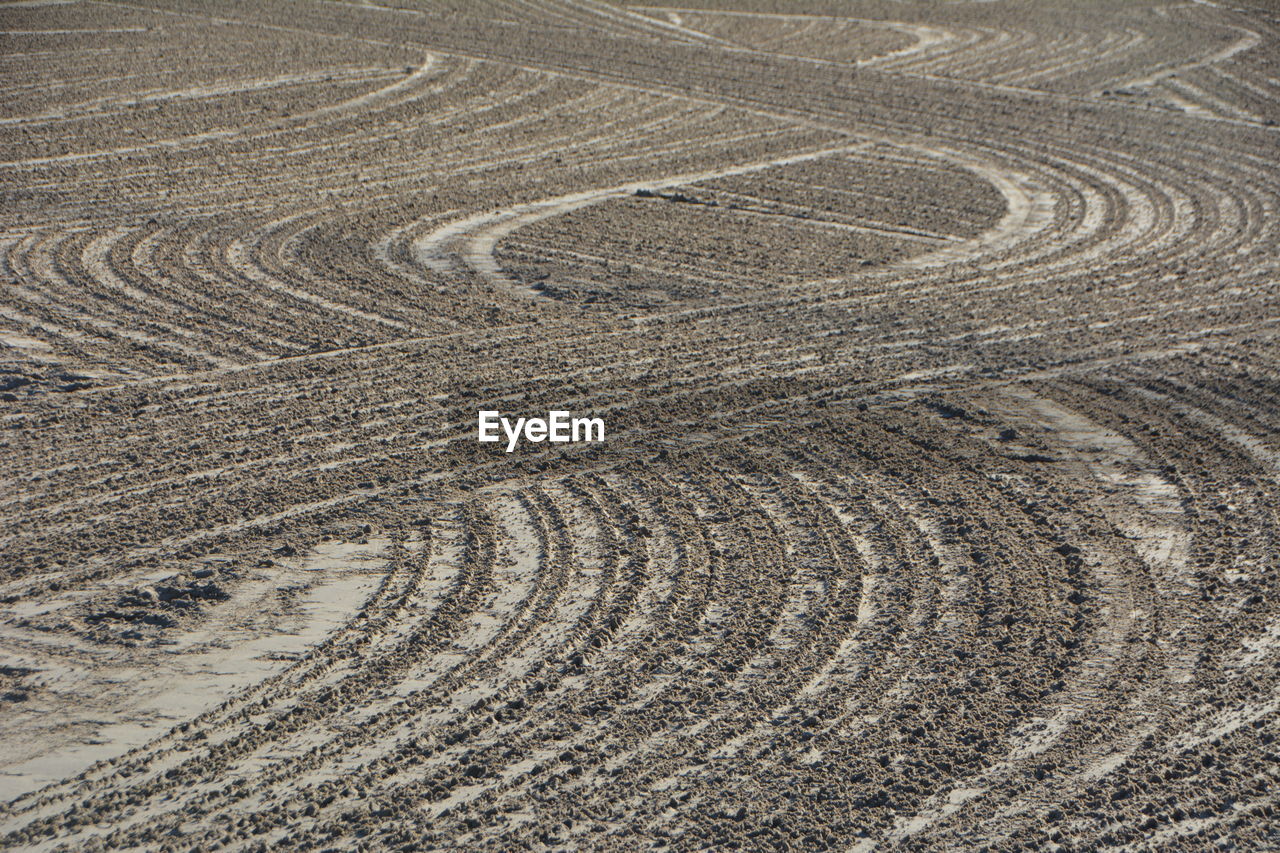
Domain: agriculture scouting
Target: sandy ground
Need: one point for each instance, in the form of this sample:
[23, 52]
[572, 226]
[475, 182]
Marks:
[937, 343]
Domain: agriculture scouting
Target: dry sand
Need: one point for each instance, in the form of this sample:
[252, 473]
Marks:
[937, 343]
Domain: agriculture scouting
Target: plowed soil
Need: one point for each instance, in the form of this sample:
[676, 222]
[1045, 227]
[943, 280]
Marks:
[939, 507]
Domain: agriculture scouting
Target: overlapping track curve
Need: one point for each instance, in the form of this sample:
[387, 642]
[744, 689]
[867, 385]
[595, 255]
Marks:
[937, 345]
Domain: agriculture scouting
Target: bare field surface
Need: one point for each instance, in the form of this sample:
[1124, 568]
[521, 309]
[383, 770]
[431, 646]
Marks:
[937, 343]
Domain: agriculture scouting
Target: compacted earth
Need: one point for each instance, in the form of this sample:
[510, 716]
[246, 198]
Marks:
[937, 345]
